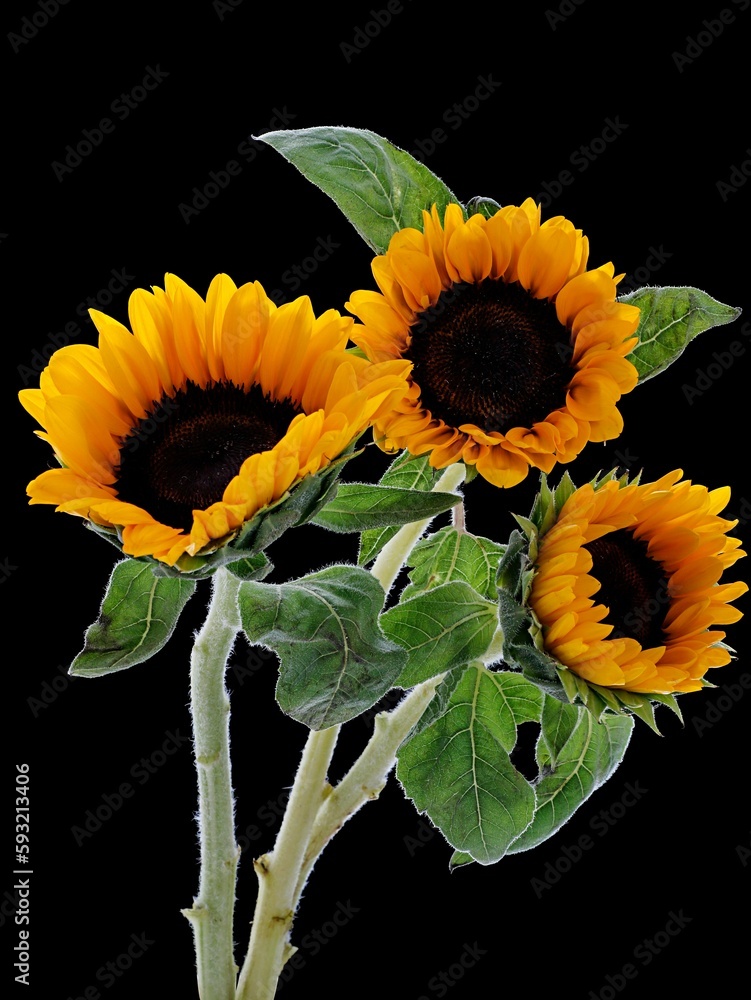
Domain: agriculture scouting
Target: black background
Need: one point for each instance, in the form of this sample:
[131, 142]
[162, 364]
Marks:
[228, 74]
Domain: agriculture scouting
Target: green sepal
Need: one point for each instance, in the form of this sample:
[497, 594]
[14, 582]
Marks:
[138, 615]
[379, 187]
[670, 319]
[405, 472]
[442, 628]
[458, 769]
[671, 702]
[335, 661]
[480, 205]
[575, 755]
[358, 507]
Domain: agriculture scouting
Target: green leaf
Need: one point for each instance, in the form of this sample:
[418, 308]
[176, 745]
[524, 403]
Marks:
[335, 661]
[405, 472]
[576, 755]
[518, 701]
[443, 628]
[458, 769]
[138, 615]
[255, 567]
[451, 554]
[670, 319]
[364, 507]
[459, 860]
[379, 187]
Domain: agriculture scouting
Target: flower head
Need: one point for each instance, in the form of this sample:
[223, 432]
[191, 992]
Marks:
[519, 352]
[622, 586]
[178, 434]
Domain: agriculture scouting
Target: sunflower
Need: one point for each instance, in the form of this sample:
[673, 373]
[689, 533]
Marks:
[626, 584]
[518, 350]
[179, 433]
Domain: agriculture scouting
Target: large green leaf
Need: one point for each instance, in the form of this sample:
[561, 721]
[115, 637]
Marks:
[364, 507]
[458, 769]
[137, 617]
[379, 187]
[454, 554]
[442, 628]
[670, 319]
[576, 755]
[334, 660]
[405, 472]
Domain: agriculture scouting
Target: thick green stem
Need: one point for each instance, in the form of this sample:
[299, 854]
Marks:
[316, 811]
[368, 775]
[392, 556]
[212, 910]
[278, 872]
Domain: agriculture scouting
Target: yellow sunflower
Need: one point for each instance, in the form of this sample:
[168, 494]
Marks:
[518, 350]
[180, 432]
[626, 584]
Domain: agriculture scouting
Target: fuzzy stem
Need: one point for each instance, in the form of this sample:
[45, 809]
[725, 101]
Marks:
[393, 555]
[278, 872]
[368, 775]
[211, 913]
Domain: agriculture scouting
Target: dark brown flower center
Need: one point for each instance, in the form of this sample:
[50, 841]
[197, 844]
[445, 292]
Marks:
[634, 587]
[185, 452]
[491, 355]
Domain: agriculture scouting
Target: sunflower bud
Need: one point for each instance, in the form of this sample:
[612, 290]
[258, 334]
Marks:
[610, 594]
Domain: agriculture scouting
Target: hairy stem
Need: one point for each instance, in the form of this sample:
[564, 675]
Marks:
[392, 556]
[368, 775]
[279, 872]
[212, 910]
